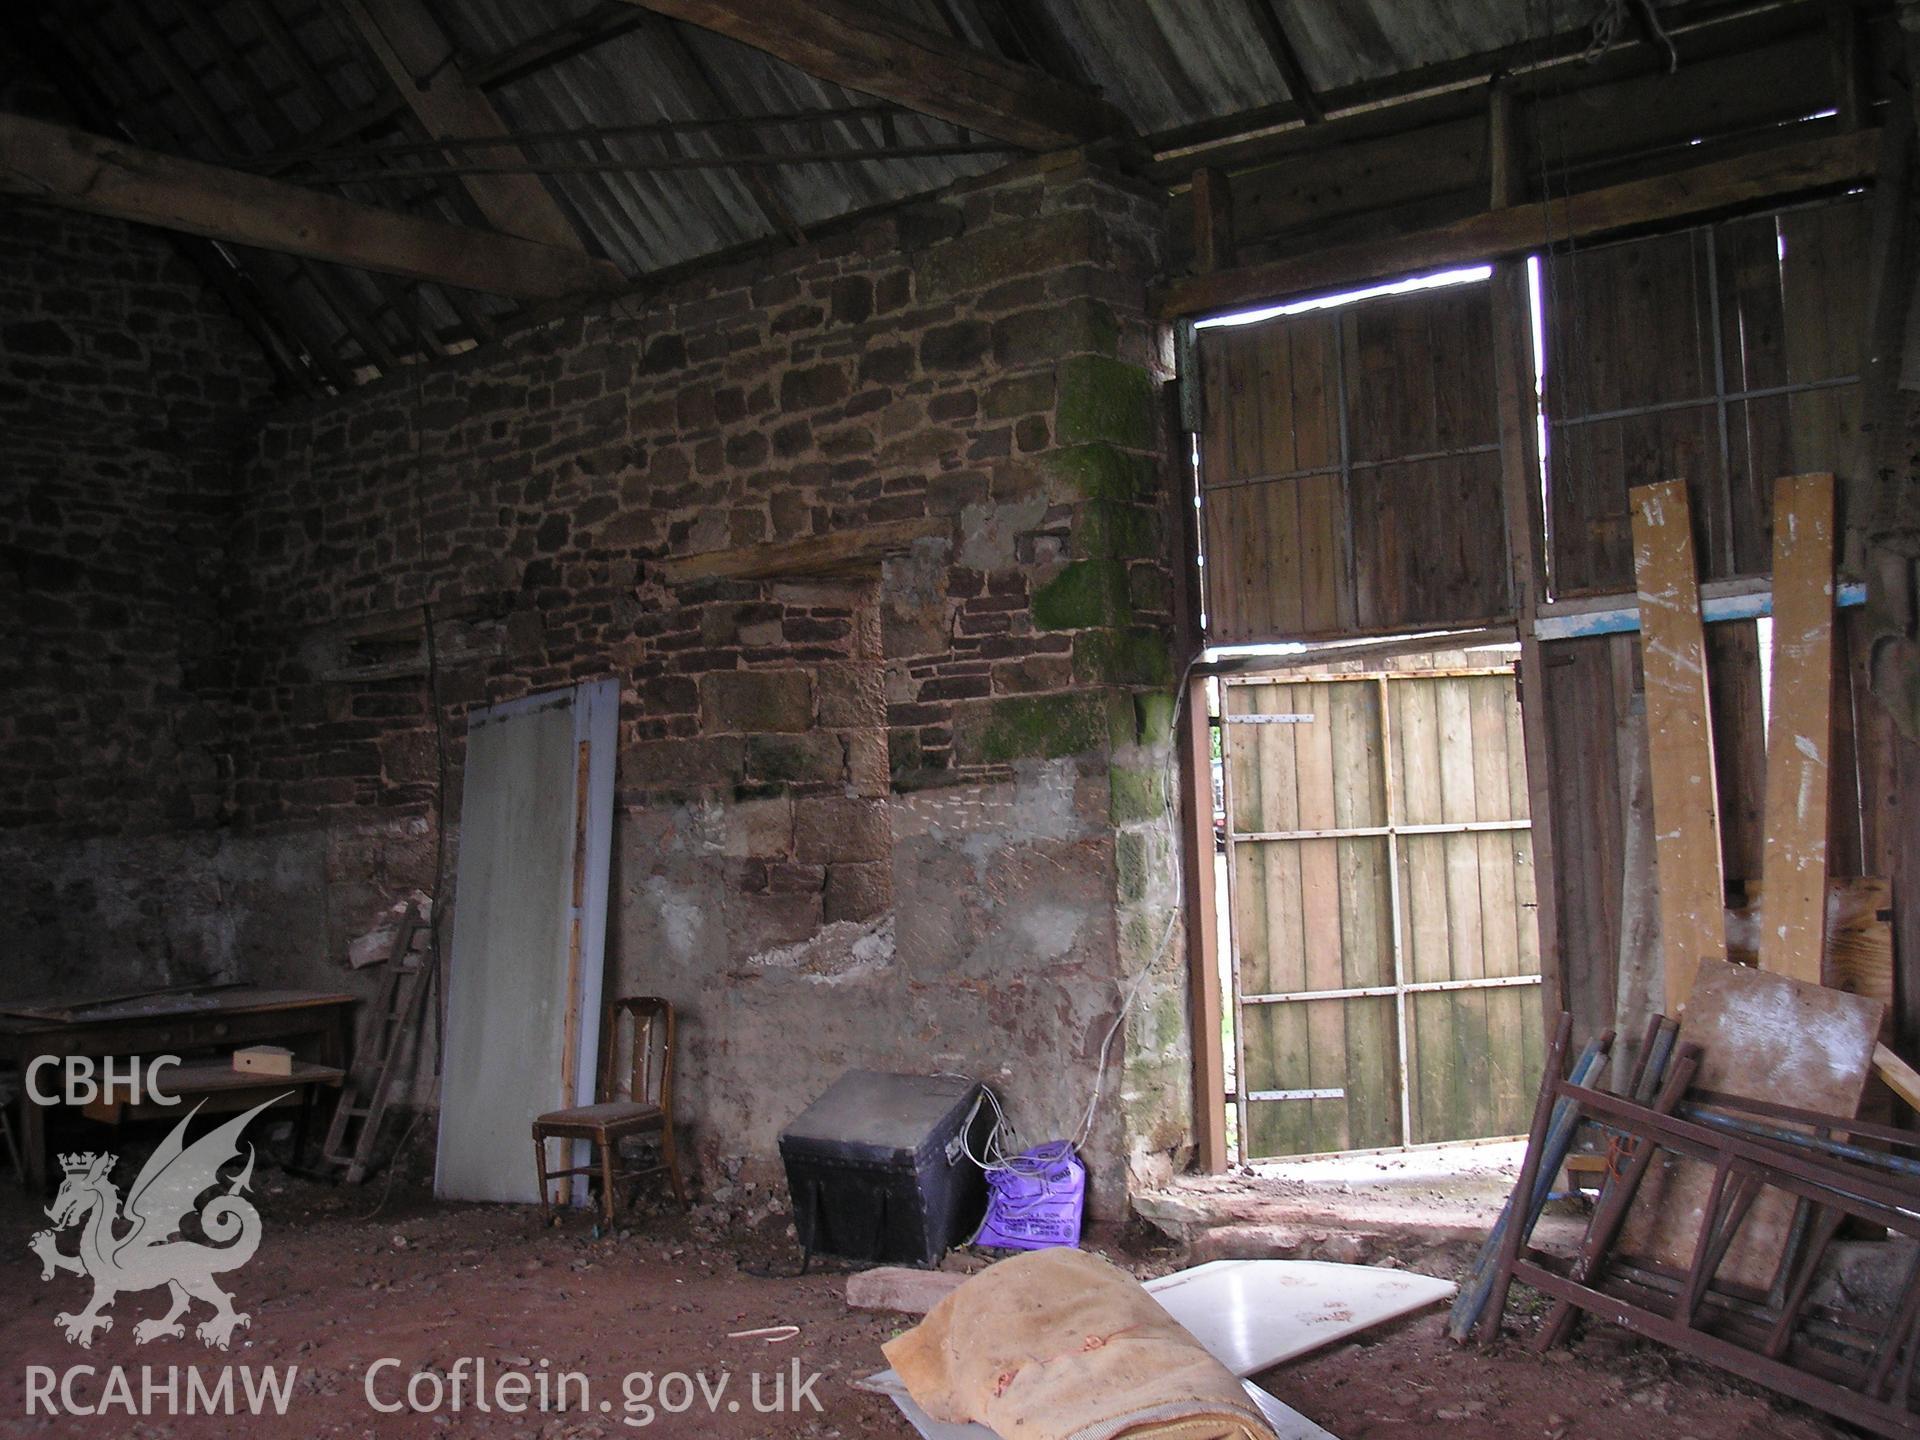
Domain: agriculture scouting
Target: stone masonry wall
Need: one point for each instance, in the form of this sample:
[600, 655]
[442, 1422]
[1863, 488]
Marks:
[909, 818]
[123, 387]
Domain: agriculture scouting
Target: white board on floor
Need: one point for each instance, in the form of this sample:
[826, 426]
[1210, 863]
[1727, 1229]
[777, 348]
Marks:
[1287, 1422]
[1251, 1315]
[523, 977]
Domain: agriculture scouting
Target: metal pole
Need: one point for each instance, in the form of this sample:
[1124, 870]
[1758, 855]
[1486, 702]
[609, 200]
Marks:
[1393, 899]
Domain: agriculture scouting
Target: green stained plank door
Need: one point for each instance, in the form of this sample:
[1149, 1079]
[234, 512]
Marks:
[1351, 798]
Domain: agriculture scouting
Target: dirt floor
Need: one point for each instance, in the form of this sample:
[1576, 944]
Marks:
[346, 1279]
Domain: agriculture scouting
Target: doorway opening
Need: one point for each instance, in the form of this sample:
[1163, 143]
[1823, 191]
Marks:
[1382, 967]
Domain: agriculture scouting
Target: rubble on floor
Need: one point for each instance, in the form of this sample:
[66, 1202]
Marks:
[345, 1276]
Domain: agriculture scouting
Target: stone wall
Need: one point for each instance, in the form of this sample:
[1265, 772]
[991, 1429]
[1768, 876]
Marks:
[124, 385]
[910, 817]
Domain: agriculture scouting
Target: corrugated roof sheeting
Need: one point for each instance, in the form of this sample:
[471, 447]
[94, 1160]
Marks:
[1345, 41]
[1165, 64]
[1170, 62]
[649, 220]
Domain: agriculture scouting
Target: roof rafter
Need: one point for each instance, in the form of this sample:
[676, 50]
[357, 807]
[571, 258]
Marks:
[1286, 58]
[266, 313]
[320, 93]
[1181, 145]
[266, 112]
[408, 43]
[924, 70]
[140, 121]
[81, 171]
[607, 23]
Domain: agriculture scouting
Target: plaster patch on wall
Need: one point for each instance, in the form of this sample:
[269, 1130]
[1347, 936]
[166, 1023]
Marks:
[841, 951]
[1042, 803]
[990, 531]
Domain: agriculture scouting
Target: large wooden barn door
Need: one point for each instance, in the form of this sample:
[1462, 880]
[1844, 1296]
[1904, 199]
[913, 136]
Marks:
[1350, 470]
[1386, 960]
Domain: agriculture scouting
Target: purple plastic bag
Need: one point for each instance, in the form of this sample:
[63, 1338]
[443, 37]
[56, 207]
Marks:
[1036, 1201]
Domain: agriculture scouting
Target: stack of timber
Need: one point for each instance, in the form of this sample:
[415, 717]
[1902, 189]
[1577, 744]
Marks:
[1718, 1203]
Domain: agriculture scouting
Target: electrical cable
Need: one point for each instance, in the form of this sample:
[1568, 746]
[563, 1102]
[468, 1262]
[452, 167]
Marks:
[1002, 1146]
[1176, 873]
[1003, 1138]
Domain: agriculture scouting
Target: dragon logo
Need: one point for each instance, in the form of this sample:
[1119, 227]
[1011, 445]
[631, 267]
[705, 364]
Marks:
[147, 1253]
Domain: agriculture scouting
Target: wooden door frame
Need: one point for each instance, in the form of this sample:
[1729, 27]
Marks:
[1203, 932]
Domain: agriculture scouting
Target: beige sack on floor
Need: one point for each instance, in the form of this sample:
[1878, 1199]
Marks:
[1059, 1345]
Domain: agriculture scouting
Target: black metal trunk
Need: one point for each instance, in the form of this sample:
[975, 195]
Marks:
[878, 1167]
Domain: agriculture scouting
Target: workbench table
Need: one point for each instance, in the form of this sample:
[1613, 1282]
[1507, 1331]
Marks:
[317, 1025]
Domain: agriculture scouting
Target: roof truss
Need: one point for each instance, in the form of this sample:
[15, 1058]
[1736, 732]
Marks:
[922, 69]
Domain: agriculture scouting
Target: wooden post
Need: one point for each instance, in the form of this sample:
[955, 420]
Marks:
[1686, 807]
[1212, 221]
[1793, 905]
[1851, 55]
[1503, 177]
[1203, 934]
[1526, 557]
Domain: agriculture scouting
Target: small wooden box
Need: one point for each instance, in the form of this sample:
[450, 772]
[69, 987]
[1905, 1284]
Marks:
[264, 1060]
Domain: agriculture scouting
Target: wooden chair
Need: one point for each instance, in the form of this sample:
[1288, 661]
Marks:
[647, 1107]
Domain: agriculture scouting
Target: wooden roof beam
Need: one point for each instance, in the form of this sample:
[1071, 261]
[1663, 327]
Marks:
[1806, 165]
[408, 43]
[365, 328]
[81, 171]
[877, 54]
[1286, 59]
[1697, 28]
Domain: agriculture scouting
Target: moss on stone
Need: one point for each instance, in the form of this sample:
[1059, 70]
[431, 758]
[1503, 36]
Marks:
[1142, 932]
[1100, 472]
[1102, 399]
[1168, 1015]
[1136, 794]
[1106, 529]
[1089, 325]
[1122, 657]
[1130, 866]
[1086, 595]
[1152, 588]
[1153, 715]
[1004, 252]
[1022, 727]
[1018, 395]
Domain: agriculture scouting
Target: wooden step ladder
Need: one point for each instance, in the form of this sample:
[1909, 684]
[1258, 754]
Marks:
[368, 1088]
